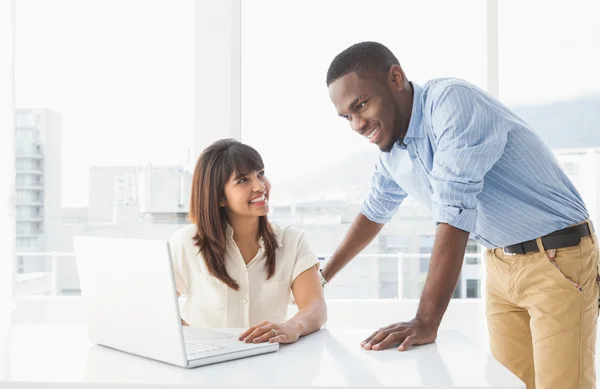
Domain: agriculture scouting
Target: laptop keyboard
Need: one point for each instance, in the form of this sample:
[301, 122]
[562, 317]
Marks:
[193, 348]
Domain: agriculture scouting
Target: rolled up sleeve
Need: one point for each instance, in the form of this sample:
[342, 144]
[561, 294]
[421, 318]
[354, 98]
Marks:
[469, 141]
[385, 197]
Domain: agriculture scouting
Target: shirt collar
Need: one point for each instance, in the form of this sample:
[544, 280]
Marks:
[415, 129]
[261, 241]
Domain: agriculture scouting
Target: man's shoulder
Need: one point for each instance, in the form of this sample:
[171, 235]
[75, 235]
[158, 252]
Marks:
[436, 88]
[453, 91]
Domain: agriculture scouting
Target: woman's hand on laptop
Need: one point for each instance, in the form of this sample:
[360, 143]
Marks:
[183, 322]
[271, 332]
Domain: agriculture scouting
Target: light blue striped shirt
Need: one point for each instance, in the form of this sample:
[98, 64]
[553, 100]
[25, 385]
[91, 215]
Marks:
[477, 166]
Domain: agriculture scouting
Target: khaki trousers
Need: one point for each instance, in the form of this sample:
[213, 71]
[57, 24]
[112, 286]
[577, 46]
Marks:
[542, 314]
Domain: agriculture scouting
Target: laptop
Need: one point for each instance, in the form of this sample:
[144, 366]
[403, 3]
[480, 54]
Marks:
[131, 305]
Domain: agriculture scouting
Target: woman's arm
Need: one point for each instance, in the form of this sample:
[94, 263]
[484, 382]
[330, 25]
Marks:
[308, 294]
[312, 313]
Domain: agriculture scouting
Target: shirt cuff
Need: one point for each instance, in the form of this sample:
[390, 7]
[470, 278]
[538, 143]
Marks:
[368, 212]
[463, 219]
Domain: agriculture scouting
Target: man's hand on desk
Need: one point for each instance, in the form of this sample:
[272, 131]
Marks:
[271, 332]
[444, 268]
[405, 334]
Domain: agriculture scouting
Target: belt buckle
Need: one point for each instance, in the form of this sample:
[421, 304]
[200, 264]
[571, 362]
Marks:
[507, 253]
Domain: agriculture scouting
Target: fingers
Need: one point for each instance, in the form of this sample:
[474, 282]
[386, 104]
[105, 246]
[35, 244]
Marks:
[385, 339]
[259, 332]
[379, 336]
[399, 329]
[405, 334]
[256, 331]
[393, 339]
[364, 342]
[407, 344]
[245, 334]
[279, 339]
[387, 330]
[183, 322]
[268, 334]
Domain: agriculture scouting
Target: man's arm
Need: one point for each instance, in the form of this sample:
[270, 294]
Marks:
[378, 208]
[361, 233]
[444, 268]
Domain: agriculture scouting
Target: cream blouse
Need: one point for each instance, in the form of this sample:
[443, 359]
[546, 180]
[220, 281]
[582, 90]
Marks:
[212, 304]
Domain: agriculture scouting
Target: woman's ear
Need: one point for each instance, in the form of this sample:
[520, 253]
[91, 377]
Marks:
[223, 202]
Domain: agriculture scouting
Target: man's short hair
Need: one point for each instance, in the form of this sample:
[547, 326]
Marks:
[367, 59]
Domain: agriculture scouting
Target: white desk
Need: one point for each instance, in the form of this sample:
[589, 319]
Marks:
[45, 356]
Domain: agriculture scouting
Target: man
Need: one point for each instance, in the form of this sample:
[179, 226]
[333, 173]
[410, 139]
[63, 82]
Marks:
[486, 174]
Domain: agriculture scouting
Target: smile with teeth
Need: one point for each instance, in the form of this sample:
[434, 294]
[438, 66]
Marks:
[259, 199]
[372, 134]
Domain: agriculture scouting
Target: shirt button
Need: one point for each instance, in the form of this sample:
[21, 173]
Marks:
[245, 300]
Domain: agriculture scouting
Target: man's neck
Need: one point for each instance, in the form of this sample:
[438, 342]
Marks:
[405, 101]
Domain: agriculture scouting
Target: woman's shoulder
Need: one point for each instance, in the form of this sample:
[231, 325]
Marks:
[288, 236]
[183, 235]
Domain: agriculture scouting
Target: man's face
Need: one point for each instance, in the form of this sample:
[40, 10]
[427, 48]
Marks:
[370, 107]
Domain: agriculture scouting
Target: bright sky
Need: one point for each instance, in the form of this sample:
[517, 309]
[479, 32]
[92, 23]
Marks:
[121, 71]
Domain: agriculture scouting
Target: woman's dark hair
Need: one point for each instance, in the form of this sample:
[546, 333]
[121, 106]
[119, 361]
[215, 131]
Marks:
[213, 168]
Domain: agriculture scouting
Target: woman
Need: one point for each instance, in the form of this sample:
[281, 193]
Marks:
[236, 268]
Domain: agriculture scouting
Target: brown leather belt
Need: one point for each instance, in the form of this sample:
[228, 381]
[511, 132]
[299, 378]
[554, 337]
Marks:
[567, 237]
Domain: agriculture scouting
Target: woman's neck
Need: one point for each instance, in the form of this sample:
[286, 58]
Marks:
[244, 229]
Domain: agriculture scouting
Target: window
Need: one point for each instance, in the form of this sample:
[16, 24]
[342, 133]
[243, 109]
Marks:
[311, 155]
[20, 264]
[566, 117]
[472, 247]
[25, 121]
[473, 256]
[22, 228]
[570, 168]
[473, 289]
[121, 102]
[473, 261]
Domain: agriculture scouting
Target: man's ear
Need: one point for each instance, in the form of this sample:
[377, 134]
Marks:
[397, 77]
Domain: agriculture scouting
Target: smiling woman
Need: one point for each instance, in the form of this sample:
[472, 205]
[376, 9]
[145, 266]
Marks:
[236, 268]
[228, 179]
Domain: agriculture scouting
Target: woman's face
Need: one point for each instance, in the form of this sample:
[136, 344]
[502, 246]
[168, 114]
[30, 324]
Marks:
[247, 195]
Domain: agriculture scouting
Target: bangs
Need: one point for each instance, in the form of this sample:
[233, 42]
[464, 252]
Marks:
[243, 160]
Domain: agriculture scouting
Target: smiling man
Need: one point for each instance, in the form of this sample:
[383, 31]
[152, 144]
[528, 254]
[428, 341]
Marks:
[484, 173]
